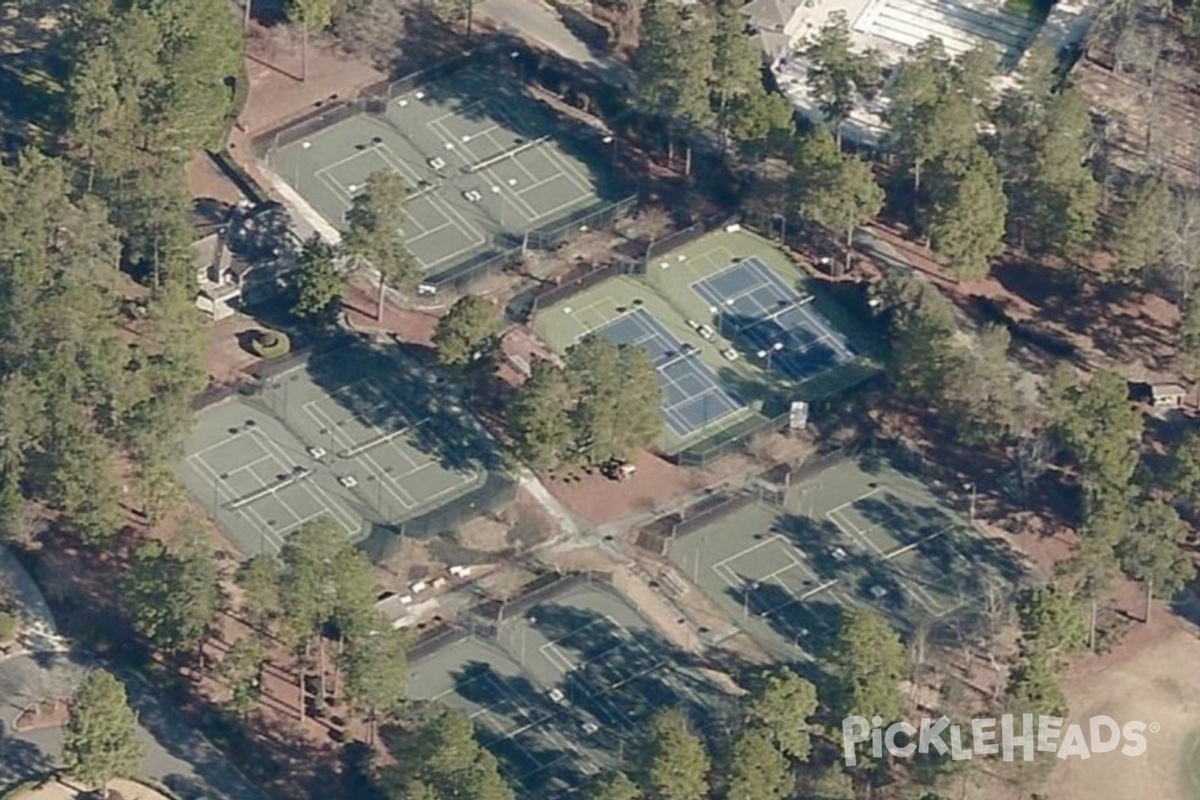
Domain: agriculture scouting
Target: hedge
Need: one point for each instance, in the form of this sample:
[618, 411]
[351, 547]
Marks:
[271, 344]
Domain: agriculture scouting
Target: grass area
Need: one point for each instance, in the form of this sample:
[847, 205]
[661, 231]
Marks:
[1033, 10]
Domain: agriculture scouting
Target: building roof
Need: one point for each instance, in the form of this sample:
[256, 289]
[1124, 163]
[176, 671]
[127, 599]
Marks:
[1167, 390]
[767, 14]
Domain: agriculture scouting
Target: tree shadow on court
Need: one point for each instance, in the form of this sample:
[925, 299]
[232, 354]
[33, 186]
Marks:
[401, 395]
[528, 757]
[821, 542]
[649, 672]
[811, 625]
[495, 86]
[905, 521]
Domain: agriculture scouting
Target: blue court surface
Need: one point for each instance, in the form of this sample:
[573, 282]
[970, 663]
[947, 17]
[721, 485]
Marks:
[693, 397]
[781, 326]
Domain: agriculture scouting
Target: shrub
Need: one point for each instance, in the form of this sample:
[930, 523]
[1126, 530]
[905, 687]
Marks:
[271, 344]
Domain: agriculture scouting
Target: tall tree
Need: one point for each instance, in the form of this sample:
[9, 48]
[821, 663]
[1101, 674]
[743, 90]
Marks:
[258, 579]
[757, 771]
[1181, 248]
[834, 189]
[1052, 624]
[1102, 429]
[1153, 552]
[783, 704]
[310, 15]
[377, 671]
[1063, 196]
[1138, 238]
[673, 70]
[1033, 687]
[101, 735]
[980, 389]
[1189, 338]
[836, 74]
[967, 225]
[921, 330]
[619, 400]
[614, 786]
[467, 331]
[1091, 570]
[930, 119]
[869, 661]
[174, 595]
[241, 671]
[374, 232]
[677, 763]
[540, 415]
[316, 281]
[738, 67]
[323, 581]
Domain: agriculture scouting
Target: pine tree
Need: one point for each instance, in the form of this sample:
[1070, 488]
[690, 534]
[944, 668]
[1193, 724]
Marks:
[101, 735]
[967, 225]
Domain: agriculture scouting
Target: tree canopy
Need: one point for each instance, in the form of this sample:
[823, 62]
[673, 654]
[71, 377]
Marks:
[870, 662]
[101, 734]
[466, 331]
[603, 405]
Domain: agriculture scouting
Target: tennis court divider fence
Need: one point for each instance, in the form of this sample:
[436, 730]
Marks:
[554, 235]
[730, 441]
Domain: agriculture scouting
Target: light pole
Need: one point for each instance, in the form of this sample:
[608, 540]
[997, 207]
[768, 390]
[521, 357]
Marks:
[611, 141]
[770, 351]
[746, 600]
[719, 313]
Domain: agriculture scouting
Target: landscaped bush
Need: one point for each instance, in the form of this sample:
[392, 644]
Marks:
[271, 344]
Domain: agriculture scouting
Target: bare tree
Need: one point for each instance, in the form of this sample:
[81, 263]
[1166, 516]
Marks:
[1181, 263]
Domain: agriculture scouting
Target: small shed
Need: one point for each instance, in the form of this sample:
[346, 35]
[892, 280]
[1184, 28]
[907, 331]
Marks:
[1167, 395]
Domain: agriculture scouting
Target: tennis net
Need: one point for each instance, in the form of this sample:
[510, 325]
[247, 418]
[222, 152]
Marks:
[509, 153]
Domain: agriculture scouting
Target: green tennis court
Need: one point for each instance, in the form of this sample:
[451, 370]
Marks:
[852, 533]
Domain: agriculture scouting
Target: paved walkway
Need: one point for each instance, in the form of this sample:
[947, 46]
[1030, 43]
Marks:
[175, 754]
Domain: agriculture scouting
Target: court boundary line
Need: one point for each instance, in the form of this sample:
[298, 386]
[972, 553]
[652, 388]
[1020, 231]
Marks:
[469, 233]
[653, 329]
[329, 506]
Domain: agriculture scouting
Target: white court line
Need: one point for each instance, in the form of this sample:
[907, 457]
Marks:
[838, 518]
[570, 171]
[527, 210]
[393, 488]
[393, 483]
[263, 529]
[554, 654]
[323, 498]
[466, 230]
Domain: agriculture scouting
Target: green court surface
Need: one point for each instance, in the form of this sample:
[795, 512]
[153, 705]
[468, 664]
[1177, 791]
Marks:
[666, 292]
[673, 274]
[855, 533]
[560, 685]
[483, 162]
[347, 436]
[564, 325]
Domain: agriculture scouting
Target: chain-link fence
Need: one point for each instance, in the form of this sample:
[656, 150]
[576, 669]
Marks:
[553, 236]
[733, 440]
